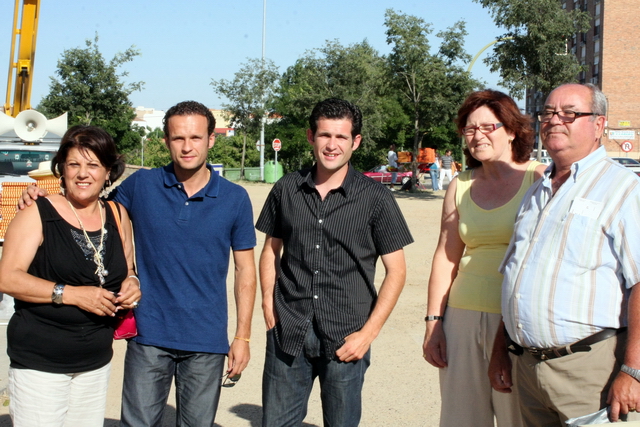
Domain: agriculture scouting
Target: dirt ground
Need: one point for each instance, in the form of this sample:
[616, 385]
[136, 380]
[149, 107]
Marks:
[400, 388]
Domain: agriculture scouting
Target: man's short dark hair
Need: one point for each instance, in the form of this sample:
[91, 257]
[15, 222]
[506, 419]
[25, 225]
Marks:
[336, 109]
[187, 108]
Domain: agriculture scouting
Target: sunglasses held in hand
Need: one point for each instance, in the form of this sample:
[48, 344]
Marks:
[230, 381]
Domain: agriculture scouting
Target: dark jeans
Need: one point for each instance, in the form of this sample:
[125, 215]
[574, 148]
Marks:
[148, 372]
[287, 383]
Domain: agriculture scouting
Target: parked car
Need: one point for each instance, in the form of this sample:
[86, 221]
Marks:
[632, 164]
[381, 174]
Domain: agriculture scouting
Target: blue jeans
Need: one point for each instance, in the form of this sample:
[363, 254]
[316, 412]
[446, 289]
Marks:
[148, 372]
[434, 179]
[287, 383]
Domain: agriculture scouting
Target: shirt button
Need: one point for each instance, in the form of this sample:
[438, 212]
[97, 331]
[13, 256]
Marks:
[186, 203]
[519, 325]
[517, 296]
[179, 186]
[317, 246]
[315, 297]
[320, 221]
[315, 272]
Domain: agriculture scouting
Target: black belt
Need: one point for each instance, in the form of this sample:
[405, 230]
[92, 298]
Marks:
[579, 346]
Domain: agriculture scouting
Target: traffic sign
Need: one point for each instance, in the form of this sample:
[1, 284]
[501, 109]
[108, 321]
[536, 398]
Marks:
[626, 146]
[277, 145]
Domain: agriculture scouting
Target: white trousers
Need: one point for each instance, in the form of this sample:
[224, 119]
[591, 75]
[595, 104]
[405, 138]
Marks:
[444, 172]
[43, 399]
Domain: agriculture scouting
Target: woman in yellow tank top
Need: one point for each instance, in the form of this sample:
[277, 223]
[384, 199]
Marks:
[479, 210]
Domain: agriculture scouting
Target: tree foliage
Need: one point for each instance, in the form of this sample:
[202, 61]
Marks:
[92, 92]
[430, 86]
[355, 73]
[228, 151]
[533, 53]
[249, 94]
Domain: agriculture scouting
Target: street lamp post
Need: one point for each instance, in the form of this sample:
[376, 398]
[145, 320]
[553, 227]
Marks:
[263, 119]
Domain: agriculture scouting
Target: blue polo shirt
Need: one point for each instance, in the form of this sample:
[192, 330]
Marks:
[182, 256]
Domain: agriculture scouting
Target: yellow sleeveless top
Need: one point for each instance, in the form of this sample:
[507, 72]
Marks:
[486, 235]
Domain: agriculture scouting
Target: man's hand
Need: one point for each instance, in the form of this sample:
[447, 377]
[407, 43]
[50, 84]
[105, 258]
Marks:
[29, 195]
[500, 364]
[239, 356]
[500, 371]
[355, 346]
[434, 347]
[624, 396]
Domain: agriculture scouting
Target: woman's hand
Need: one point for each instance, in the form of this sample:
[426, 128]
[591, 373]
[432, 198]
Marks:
[90, 298]
[434, 348]
[129, 294]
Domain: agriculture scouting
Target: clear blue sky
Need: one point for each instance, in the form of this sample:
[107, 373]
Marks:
[184, 44]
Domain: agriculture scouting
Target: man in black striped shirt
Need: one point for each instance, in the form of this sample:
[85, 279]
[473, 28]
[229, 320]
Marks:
[326, 227]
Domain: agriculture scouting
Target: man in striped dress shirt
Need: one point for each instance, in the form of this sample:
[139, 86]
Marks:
[570, 303]
[325, 229]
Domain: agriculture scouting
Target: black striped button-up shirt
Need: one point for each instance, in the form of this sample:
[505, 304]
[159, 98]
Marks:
[330, 249]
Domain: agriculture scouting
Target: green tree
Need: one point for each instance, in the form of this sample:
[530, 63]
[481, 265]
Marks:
[355, 73]
[156, 153]
[228, 151]
[431, 87]
[249, 94]
[533, 52]
[91, 90]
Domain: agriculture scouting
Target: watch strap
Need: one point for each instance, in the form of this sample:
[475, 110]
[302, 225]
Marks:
[430, 318]
[635, 373]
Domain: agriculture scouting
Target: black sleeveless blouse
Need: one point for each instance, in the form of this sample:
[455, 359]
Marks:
[66, 339]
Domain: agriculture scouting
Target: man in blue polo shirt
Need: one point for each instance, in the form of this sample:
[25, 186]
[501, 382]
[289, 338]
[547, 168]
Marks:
[186, 220]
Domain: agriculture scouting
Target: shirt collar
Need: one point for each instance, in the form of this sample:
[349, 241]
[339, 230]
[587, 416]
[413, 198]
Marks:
[307, 179]
[210, 190]
[581, 165]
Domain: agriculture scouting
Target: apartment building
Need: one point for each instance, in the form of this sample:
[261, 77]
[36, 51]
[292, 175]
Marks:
[610, 50]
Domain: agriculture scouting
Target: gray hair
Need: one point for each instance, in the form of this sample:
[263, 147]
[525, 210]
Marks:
[598, 100]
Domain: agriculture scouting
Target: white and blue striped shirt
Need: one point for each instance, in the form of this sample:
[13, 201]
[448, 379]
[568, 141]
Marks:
[574, 256]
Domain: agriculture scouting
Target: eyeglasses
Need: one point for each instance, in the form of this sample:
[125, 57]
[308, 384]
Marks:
[483, 128]
[230, 381]
[567, 116]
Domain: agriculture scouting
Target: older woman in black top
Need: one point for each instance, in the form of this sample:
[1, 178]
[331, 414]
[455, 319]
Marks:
[69, 267]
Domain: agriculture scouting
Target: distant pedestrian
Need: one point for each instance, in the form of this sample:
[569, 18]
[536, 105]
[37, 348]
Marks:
[445, 168]
[392, 158]
[433, 171]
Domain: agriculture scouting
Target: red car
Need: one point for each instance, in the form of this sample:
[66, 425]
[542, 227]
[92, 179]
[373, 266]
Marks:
[380, 174]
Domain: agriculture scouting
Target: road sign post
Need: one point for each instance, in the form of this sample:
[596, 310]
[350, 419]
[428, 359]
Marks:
[277, 145]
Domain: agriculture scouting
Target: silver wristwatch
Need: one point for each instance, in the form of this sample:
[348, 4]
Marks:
[56, 295]
[635, 373]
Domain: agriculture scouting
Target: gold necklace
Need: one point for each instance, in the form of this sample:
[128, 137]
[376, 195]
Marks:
[101, 272]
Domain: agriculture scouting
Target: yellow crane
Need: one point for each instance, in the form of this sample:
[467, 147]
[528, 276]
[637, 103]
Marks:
[21, 66]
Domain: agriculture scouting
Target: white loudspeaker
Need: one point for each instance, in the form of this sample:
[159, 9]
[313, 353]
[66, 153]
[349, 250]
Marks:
[30, 125]
[6, 123]
[58, 125]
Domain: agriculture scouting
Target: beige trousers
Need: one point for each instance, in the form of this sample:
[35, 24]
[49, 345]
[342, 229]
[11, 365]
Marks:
[467, 396]
[555, 390]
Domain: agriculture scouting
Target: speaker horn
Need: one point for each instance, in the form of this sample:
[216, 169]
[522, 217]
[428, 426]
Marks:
[6, 123]
[58, 125]
[30, 125]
